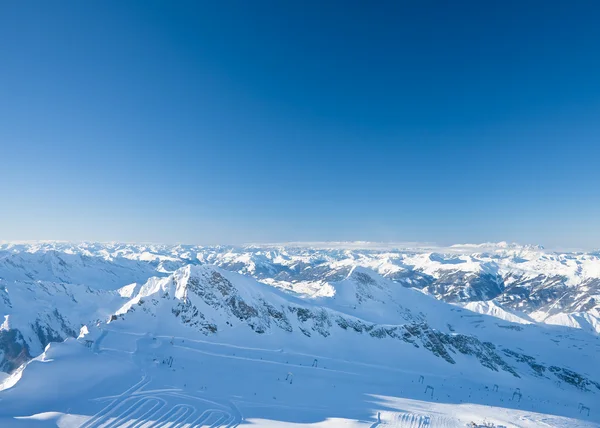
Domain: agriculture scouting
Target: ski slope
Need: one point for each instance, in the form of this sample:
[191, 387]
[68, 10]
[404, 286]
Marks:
[178, 382]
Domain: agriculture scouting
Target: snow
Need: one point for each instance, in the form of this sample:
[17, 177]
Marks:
[218, 383]
[580, 320]
[165, 340]
[493, 309]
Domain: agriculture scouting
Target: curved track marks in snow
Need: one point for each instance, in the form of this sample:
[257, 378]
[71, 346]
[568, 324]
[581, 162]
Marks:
[102, 416]
[135, 408]
[175, 416]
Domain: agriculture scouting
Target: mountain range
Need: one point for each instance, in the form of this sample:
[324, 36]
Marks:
[520, 317]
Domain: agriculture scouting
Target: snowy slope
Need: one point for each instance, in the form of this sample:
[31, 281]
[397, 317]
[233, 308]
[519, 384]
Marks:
[48, 293]
[206, 345]
[35, 313]
[511, 282]
[217, 302]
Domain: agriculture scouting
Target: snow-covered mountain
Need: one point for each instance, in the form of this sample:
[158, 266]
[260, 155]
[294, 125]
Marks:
[362, 306]
[36, 313]
[525, 281]
[496, 320]
[47, 295]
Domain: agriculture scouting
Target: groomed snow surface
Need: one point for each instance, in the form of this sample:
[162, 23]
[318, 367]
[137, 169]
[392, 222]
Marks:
[126, 380]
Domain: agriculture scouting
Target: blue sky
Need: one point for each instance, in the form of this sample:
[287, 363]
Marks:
[237, 121]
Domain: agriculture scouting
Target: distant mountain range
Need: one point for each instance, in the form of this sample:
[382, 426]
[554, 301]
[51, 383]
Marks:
[519, 311]
[525, 283]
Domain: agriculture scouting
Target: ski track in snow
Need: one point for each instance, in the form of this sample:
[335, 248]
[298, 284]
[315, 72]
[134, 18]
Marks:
[255, 360]
[413, 420]
[154, 402]
[321, 358]
[140, 408]
[136, 408]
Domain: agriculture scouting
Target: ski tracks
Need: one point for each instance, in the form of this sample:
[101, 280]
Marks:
[135, 408]
[411, 420]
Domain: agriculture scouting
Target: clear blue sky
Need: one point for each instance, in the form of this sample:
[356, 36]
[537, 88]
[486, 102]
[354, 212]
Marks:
[260, 121]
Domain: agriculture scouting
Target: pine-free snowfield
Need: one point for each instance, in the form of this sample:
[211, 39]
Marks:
[128, 380]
